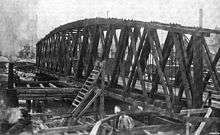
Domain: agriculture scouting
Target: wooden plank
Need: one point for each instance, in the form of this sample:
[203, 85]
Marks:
[214, 63]
[116, 40]
[59, 57]
[64, 129]
[163, 56]
[139, 70]
[134, 37]
[94, 51]
[211, 67]
[95, 108]
[76, 40]
[189, 52]
[68, 54]
[155, 128]
[196, 119]
[130, 52]
[43, 82]
[97, 93]
[181, 58]
[197, 90]
[136, 59]
[143, 60]
[56, 53]
[102, 97]
[81, 64]
[202, 124]
[108, 42]
[141, 78]
[41, 85]
[52, 85]
[122, 54]
[122, 65]
[161, 75]
[46, 90]
[188, 131]
[62, 53]
[52, 52]
[119, 54]
[193, 111]
[28, 85]
[102, 37]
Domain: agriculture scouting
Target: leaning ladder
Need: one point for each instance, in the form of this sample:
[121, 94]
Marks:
[80, 103]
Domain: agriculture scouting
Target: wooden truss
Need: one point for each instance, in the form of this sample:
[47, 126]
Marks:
[128, 46]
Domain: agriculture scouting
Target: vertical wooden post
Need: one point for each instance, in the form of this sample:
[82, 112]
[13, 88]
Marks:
[94, 51]
[210, 99]
[168, 45]
[81, 65]
[28, 104]
[11, 94]
[182, 62]
[10, 75]
[136, 60]
[95, 103]
[132, 50]
[197, 91]
[143, 61]
[122, 44]
[102, 105]
[188, 125]
[156, 53]
[33, 106]
[102, 97]
[101, 85]
[189, 52]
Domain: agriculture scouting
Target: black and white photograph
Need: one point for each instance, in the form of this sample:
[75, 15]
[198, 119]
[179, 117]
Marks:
[109, 67]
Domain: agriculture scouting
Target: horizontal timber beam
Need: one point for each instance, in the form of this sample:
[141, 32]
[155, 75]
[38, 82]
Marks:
[121, 22]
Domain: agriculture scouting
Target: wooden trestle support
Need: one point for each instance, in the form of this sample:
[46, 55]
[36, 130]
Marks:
[136, 59]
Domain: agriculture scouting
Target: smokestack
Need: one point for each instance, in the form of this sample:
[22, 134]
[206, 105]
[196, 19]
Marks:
[200, 17]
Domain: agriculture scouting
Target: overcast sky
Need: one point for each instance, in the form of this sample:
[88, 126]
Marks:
[52, 13]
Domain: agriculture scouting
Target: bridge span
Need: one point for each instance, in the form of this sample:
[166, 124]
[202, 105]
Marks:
[133, 51]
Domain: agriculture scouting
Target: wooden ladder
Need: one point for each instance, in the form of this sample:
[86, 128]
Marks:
[80, 104]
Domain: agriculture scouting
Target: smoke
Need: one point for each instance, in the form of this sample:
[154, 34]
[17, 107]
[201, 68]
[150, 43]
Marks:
[17, 25]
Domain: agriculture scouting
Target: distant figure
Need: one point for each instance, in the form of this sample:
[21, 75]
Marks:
[125, 123]
[117, 109]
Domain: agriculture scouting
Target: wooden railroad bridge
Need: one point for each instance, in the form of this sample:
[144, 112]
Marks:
[127, 60]
[138, 64]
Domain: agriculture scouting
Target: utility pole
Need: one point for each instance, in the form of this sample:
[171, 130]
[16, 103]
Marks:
[200, 17]
[107, 13]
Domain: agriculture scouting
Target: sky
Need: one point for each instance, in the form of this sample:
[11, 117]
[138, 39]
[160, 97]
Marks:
[18, 23]
[52, 13]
